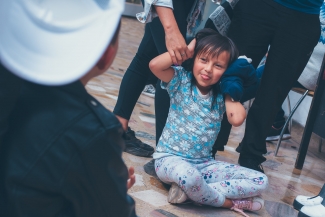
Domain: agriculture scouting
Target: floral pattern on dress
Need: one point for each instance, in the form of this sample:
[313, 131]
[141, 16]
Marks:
[192, 125]
[322, 23]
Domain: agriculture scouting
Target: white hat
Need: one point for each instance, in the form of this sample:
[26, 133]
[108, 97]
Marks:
[55, 42]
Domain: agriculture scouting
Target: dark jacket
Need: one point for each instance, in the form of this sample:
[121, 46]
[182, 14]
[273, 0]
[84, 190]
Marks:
[62, 156]
[9, 92]
[238, 76]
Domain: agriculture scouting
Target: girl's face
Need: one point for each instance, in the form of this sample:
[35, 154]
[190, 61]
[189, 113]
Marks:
[207, 70]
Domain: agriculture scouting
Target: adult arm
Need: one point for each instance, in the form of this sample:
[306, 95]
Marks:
[175, 42]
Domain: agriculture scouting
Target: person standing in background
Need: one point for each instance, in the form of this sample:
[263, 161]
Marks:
[291, 29]
[165, 30]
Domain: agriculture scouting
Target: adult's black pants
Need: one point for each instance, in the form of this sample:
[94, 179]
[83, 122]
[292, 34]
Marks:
[292, 36]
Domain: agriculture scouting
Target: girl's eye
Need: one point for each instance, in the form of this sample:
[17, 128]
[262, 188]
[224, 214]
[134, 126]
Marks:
[203, 59]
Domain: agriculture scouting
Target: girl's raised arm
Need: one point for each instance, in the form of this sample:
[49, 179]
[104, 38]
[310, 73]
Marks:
[161, 65]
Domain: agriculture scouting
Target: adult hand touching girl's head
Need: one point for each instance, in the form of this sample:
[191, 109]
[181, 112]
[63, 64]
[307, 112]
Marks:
[175, 42]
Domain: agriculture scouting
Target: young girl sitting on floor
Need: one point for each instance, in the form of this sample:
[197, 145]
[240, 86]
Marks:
[183, 153]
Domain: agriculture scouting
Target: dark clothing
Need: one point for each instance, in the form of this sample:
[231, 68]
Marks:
[62, 156]
[306, 6]
[239, 77]
[279, 118]
[9, 92]
[136, 76]
[248, 93]
[292, 36]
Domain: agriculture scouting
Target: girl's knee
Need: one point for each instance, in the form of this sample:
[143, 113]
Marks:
[188, 179]
[266, 181]
[262, 181]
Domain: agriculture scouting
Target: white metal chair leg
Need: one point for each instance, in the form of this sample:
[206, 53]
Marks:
[289, 108]
[288, 120]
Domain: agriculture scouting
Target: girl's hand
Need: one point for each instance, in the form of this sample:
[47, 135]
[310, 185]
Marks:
[131, 180]
[191, 48]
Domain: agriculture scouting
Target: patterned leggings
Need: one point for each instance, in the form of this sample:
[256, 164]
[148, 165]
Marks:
[210, 182]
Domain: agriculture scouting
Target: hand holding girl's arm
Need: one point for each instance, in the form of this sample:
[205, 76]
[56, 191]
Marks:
[175, 41]
[236, 113]
[161, 65]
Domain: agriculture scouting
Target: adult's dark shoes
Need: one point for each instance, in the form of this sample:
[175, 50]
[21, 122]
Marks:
[134, 145]
[250, 163]
[149, 168]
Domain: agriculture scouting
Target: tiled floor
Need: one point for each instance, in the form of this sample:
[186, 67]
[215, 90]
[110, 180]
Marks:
[150, 195]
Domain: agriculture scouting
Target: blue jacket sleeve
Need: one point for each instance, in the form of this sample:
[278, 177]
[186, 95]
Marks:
[239, 75]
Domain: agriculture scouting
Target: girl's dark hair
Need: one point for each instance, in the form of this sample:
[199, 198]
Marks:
[212, 44]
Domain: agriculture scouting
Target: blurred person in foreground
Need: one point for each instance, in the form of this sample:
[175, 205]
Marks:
[61, 154]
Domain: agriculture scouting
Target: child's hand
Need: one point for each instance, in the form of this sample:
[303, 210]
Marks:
[191, 47]
[131, 179]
